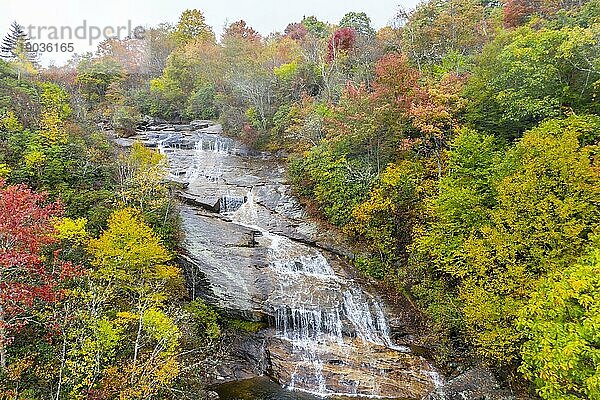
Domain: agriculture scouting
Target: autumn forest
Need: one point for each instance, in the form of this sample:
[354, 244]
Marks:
[455, 151]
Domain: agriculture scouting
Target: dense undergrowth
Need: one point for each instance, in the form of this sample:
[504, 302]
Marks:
[92, 303]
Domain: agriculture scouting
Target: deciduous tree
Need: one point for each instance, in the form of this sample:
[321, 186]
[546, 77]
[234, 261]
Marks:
[192, 26]
[560, 321]
[138, 279]
[27, 281]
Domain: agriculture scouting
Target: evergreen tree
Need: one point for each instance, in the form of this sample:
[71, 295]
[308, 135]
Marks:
[16, 45]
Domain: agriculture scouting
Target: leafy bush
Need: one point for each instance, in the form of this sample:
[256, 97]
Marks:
[201, 104]
[561, 323]
[125, 120]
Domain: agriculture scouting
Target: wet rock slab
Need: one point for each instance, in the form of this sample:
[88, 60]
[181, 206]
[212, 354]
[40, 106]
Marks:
[221, 255]
[354, 368]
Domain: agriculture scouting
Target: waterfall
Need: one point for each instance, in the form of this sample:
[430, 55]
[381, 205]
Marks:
[207, 164]
[229, 204]
[303, 324]
[217, 144]
[327, 335]
[315, 309]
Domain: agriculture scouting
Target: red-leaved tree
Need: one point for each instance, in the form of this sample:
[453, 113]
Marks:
[396, 82]
[240, 30]
[401, 109]
[296, 31]
[26, 279]
[342, 40]
[517, 12]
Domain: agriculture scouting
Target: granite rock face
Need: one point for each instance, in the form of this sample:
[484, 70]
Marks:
[351, 367]
[477, 383]
[223, 267]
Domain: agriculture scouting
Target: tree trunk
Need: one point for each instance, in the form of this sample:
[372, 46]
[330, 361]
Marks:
[138, 338]
[62, 366]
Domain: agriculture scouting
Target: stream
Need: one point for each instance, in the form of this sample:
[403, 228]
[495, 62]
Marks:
[251, 251]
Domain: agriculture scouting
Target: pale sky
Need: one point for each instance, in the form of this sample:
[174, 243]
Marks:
[265, 16]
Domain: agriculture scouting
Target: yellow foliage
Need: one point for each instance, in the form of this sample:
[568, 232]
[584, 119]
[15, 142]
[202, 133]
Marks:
[127, 316]
[10, 123]
[129, 254]
[141, 173]
[4, 170]
[52, 128]
[34, 159]
[15, 370]
[161, 328]
[167, 371]
[73, 230]
[55, 110]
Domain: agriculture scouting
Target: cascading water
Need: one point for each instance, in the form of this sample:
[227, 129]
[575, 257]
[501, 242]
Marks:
[329, 335]
[213, 143]
[315, 309]
[229, 204]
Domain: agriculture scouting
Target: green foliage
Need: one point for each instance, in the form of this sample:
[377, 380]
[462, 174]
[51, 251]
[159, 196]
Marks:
[385, 219]
[72, 230]
[19, 97]
[462, 206]
[192, 26]
[560, 321]
[318, 28]
[10, 123]
[372, 266]
[360, 22]
[95, 77]
[437, 28]
[453, 63]
[336, 183]
[239, 325]
[125, 120]
[526, 76]
[205, 318]
[164, 98]
[51, 153]
[501, 226]
[201, 104]
[286, 72]
[588, 14]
